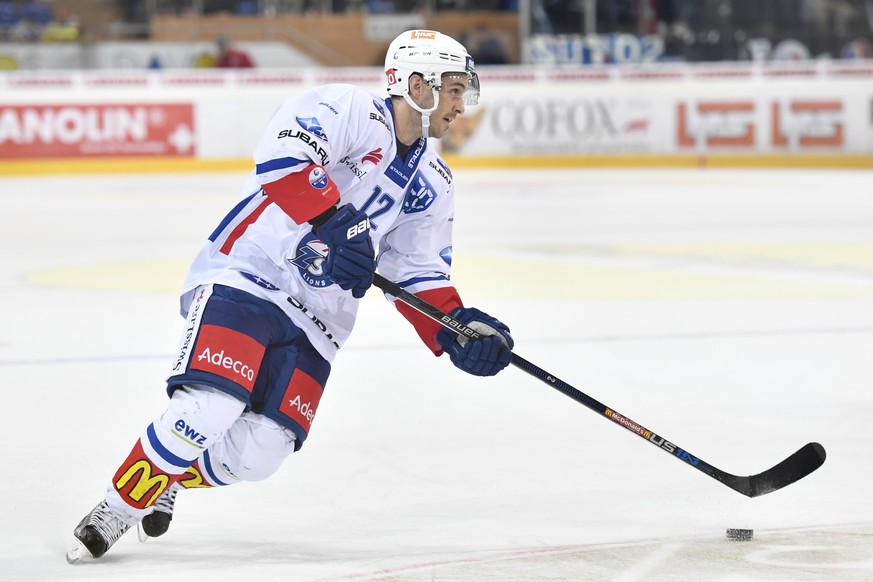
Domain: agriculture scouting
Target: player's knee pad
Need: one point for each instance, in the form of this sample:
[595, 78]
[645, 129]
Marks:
[196, 417]
[255, 447]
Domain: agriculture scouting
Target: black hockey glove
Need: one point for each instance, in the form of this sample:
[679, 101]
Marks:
[484, 356]
[351, 258]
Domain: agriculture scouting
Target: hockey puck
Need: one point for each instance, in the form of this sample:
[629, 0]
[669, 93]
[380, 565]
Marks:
[741, 535]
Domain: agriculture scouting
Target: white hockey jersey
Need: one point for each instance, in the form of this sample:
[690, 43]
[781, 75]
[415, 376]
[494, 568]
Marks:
[260, 249]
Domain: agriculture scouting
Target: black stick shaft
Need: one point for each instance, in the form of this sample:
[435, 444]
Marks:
[795, 467]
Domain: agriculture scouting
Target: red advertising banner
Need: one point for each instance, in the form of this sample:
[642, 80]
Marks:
[809, 123]
[795, 123]
[104, 129]
[716, 124]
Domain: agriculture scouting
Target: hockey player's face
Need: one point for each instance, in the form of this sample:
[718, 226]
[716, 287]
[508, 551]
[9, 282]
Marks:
[451, 103]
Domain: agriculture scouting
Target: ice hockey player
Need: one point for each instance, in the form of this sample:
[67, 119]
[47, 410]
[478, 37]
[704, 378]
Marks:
[341, 177]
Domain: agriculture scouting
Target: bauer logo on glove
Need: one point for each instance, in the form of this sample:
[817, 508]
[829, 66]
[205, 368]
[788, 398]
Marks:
[351, 258]
[362, 226]
[484, 356]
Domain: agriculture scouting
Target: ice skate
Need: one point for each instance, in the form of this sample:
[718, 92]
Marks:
[158, 522]
[96, 533]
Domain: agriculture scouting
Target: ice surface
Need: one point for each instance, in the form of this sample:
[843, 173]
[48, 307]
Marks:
[729, 311]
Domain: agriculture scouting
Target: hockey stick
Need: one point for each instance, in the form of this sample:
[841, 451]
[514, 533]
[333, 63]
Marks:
[806, 460]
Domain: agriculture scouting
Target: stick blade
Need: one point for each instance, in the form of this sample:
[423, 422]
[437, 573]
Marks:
[806, 460]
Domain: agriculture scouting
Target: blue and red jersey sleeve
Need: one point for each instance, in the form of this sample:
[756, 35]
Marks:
[304, 194]
[444, 298]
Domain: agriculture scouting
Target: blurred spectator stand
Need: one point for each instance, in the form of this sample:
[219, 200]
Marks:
[232, 57]
[63, 28]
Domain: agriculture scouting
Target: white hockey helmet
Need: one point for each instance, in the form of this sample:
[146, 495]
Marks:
[430, 54]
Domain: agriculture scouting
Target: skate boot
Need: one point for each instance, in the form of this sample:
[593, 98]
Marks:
[96, 533]
[158, 522]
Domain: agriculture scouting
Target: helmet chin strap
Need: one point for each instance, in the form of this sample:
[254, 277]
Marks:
[425, 113]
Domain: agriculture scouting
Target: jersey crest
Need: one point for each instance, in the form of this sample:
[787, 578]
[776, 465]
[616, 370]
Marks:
[419, 196]
[309, 257]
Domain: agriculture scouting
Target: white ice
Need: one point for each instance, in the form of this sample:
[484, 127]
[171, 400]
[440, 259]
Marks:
[729, 311]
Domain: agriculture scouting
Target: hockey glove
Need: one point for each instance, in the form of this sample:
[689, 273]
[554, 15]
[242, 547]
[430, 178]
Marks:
[350, 258]
[484, 356]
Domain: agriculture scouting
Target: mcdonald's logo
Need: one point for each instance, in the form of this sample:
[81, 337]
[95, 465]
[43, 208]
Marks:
[143, 484]
[193, 478]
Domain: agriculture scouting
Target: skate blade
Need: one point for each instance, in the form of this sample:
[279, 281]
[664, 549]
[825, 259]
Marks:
[79, 554]
[141, 535]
